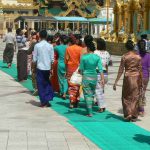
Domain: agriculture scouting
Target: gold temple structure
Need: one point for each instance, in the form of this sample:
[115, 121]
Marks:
[11, 9]
[130, 16]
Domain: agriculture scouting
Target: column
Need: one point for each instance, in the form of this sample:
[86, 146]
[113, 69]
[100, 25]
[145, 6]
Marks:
[130, 22]
[66, 24]
[98, 31]
[19, 24]
[91, 29]
[32, 24]
[24, 24]
[149, 20]
[88, 28]
[73, 28]
[95, 26]
[120, 21]
[135, 22]
[57, 26]
[78, 25]
[147, 15]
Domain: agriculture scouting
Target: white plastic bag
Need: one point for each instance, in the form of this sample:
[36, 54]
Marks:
[76, 78]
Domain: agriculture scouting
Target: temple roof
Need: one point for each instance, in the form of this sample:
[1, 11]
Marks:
[68, 8]
[17, 5]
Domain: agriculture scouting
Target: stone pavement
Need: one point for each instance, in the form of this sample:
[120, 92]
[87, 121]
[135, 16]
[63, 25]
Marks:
[26, 127]
[113, 98]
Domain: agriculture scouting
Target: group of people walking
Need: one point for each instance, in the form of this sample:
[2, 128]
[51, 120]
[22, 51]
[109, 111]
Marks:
[56, 60]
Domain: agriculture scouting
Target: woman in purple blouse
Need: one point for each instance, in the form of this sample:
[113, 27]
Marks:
[146, 73]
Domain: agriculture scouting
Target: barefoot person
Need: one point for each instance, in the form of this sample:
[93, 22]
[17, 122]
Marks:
[132, 82]
[61, 70]
[21, 56]
[72, 60]
[146, 73]
[88, 68]
[8, 54]
[43, 56]
[105, 57]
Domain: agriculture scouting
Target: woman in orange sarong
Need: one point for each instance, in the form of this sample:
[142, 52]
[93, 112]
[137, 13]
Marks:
[72, 60]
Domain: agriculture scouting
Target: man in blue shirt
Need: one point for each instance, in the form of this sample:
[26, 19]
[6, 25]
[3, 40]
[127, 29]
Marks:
[43, 56]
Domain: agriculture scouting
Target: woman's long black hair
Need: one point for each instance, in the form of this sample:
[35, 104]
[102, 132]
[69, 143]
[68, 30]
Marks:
[142, 47]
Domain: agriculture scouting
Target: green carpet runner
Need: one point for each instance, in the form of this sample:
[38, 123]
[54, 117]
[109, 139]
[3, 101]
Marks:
[106, 130]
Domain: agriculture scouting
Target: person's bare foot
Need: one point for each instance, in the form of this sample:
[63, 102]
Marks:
[134, 119]
[101, 110]
[9, 65]
[43, 105]
[64, 96]
[128, 118]
[71, 106]
[48, 105]
[35, 93]
[141, 114]
[89, 115]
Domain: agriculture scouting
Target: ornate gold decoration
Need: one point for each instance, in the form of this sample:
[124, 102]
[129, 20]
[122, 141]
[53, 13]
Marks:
[25, 1]
[19, 7]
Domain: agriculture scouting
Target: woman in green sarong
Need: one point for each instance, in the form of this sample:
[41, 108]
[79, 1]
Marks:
[90, 65]
[61, 70]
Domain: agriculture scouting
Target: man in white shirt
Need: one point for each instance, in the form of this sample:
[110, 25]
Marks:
[43, 56]
[8, 54]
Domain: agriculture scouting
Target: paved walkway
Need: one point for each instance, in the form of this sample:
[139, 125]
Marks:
[113, 98]
[24, 126]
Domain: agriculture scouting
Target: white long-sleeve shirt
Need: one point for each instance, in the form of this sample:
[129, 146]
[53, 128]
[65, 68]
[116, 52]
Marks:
[43, 55]
[9, 38]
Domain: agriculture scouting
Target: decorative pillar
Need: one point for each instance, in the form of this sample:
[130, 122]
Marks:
[149, 19]
[95, 26]
[91, 29]
[66, 24]
[32, 24]
[88, 28]
[130, 18]
[24, 25]
[98, 31]
[73, 28]
[147, 15]
[125, 18]
[57, 26]
[107, 5]
[135, 22]
[78, 25]
[116, 18]
[19, 24]
[120, 22]
[133, 13]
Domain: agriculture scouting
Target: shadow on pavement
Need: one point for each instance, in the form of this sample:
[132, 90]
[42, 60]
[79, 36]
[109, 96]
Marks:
[142, 138]
[109, 116]
[14, 93]
[4, 67]
[120, 111]
[34, 103]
